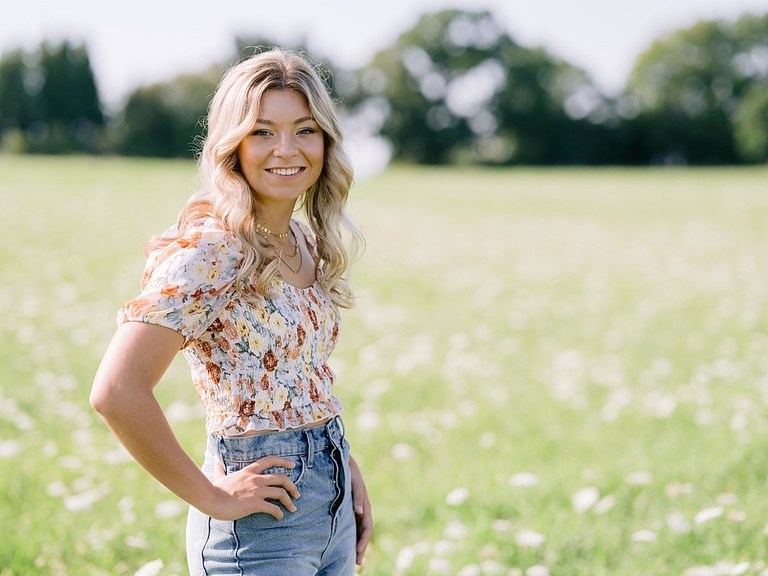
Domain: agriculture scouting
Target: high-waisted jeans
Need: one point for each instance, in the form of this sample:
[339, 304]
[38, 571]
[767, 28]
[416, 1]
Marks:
[318, 539]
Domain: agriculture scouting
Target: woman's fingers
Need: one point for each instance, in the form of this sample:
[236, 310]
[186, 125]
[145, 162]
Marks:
[278, 493]
[251, 491]
[362, 505]
[364, 533]
[268, 462]
[271, 509]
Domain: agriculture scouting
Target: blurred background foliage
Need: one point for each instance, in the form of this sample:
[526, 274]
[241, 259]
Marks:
[454, 89]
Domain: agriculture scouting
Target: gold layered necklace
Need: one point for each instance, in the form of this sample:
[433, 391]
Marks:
[264, 230]
[282, 257]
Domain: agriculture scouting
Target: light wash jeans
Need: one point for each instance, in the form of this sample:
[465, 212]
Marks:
[318, 539]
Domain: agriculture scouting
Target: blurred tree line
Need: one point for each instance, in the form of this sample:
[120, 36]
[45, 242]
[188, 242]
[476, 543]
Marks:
[456, 88]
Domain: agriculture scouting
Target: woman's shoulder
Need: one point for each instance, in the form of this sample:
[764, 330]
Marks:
[205, 241]
[307, 233]
[202, 233]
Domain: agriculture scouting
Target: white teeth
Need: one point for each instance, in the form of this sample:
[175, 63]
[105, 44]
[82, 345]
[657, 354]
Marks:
[285, 171]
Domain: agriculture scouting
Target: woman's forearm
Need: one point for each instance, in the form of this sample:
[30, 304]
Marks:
[138, 422]
[123, 394]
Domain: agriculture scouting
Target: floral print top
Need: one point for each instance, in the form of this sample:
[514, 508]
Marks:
[260, 366]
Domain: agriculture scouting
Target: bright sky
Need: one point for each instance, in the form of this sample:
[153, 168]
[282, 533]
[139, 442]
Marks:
[144, 41]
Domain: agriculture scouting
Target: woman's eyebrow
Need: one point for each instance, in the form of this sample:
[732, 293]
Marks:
[271, 123]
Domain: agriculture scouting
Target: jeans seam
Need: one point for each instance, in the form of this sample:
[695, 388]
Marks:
[205, 544]
[237, 548]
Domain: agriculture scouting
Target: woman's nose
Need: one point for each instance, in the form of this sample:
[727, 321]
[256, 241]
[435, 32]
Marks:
[285, 146]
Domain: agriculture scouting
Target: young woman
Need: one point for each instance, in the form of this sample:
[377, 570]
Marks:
[251, 297]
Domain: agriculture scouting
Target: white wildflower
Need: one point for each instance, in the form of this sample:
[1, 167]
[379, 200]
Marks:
[604, 504]
[70, 462]
[9, 448]
[138, 541]
[524, 480]
[530, 538]
[56, 488]
[537, 570]
[739, 569]
[456, 530]
[708, 514]
[457, 496]
[402, 451]
[438, 565]
[678, 523]
[368, 421]
[443, 547]
[168, 509]
[585, 498]
[727, 499]
[644, 536]
[675, 489]
[737, 516]
[492, 568]
[150, 568]
[405, 558]
[487, 440]
[84, 500]
[639, 478]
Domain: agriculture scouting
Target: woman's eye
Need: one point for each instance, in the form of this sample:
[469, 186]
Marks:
[307, 131]
[260, 132]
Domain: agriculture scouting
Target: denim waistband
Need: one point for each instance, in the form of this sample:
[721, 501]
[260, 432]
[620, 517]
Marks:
[300, 441]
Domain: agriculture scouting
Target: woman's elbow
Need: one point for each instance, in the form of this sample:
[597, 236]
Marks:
[99, 398]
[104, 396]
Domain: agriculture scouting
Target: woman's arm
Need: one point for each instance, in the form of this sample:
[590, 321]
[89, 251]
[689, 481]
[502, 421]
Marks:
[122, 394]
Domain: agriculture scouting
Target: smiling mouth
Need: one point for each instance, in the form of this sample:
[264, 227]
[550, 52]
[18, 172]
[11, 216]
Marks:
[284, 171]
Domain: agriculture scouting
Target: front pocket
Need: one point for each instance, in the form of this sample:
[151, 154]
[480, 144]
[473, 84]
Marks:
[295, 474]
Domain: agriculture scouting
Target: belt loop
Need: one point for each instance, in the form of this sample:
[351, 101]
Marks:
[310, 448]
[221, 448]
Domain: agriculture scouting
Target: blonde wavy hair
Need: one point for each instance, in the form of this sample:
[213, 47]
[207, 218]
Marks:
[225, 194]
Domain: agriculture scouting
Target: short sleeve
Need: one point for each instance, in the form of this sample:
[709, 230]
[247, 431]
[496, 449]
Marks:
[187, 284]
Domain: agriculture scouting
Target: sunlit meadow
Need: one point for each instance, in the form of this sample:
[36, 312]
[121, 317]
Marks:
[549, 372]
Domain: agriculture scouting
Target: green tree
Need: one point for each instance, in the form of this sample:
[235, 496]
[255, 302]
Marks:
[166, 119]
[69, 99]
[457, 88]
[751, 125]
[688, 86]
[49, 101]
[15, 115]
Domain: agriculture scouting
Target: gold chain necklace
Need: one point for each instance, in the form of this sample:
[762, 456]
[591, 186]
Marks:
[284, 261]
[295, 247]
[282, 257]
[266, 230]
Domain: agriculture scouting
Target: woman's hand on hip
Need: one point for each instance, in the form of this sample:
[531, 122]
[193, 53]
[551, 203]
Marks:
[248, 491]
[362, 506]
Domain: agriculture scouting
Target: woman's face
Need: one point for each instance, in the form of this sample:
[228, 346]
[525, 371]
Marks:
[284, 153]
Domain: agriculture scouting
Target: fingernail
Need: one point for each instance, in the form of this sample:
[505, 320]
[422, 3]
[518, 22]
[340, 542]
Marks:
[359, 509]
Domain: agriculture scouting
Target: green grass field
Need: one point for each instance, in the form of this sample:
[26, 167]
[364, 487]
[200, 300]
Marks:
[555, 371]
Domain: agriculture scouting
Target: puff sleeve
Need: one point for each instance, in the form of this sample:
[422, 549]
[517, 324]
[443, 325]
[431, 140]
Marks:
[187, 284]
